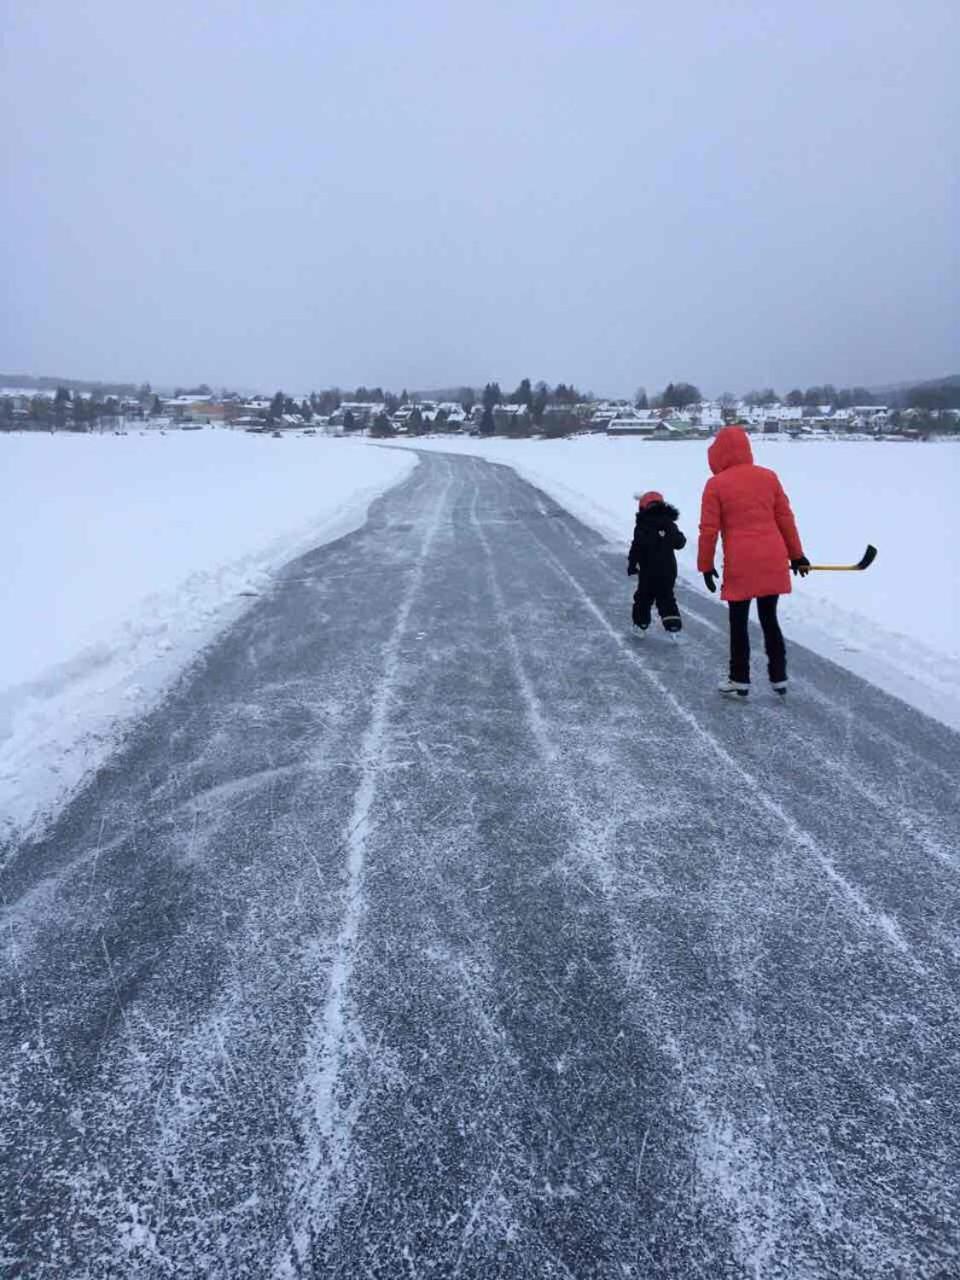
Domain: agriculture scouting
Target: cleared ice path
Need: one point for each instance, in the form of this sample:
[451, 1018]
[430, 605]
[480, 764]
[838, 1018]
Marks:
[435, 927]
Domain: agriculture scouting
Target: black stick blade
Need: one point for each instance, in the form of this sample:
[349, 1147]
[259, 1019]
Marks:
[868, 558]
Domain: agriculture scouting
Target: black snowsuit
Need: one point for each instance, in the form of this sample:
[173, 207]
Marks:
[656, 539]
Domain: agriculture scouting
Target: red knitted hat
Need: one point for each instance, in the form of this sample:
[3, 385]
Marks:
[648, 499]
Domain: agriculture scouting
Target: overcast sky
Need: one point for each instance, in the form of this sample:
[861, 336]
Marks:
[304, 193]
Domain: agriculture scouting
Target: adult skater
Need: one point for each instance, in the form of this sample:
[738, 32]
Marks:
[746, 505]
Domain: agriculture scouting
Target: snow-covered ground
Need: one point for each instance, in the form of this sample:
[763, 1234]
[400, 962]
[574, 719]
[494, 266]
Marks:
[124, 555]
[896, 625]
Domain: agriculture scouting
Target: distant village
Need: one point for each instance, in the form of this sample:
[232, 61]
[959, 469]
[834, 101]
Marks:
[678, 412]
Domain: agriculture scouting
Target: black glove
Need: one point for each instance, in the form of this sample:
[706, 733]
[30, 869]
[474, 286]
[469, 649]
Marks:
[631, 573]
[801, 565]
[710, 578]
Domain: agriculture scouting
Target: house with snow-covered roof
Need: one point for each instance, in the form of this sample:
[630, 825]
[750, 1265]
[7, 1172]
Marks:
[642, 422]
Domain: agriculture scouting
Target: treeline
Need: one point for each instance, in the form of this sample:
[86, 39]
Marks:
[69, 411]
[930, 396]
[942, 394]
[102, 390]
[814, 397]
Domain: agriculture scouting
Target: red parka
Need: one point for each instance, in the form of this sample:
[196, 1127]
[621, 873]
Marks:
[747, 506]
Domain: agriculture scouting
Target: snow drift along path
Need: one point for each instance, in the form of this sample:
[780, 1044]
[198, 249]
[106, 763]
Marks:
[126, 554]
[896, 625]
[429, 927]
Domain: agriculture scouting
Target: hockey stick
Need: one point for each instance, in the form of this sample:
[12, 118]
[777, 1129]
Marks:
[865, 561]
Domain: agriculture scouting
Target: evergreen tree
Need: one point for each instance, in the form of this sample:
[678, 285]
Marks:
[761, 398]
[523, 394]
[677, 395]
[492, 395]
[61, 407]
[487, 424]
[382, 427]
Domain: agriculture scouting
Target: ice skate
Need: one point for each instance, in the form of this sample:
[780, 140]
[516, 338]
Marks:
[733, 689]
[672, 626]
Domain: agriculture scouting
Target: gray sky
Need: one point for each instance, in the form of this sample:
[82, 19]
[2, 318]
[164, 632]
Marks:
[311, 192]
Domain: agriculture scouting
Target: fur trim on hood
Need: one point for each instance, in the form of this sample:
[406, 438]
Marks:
[657, 511]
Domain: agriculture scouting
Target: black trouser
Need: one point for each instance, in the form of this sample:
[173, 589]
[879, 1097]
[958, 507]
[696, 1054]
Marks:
[772, 639]
[656, 589]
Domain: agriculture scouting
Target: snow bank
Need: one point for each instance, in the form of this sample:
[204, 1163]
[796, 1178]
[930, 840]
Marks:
[124, 556]
[896, 625]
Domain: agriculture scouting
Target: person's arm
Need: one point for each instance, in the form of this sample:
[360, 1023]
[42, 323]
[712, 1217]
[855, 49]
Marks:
[786, 524]
[710, 520]
[678, 540]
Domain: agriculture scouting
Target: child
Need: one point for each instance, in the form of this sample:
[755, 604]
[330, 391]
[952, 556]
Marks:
[656, 538]
[746, 506]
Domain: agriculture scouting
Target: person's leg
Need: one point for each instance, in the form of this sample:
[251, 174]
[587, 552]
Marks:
[773, 639]
[739, 641]
[667, 606]
[642, 600]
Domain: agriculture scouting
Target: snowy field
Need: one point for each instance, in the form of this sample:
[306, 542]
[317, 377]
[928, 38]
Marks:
[896, 625]
[124, 555]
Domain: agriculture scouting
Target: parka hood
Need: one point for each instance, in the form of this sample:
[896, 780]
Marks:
[731, 448]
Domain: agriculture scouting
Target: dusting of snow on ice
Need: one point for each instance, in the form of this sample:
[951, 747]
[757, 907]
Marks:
[335, 1034]
[796, 833]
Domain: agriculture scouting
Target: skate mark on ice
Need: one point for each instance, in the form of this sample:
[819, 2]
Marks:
[801, 838]
[733, 1167]
[334, 1036]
